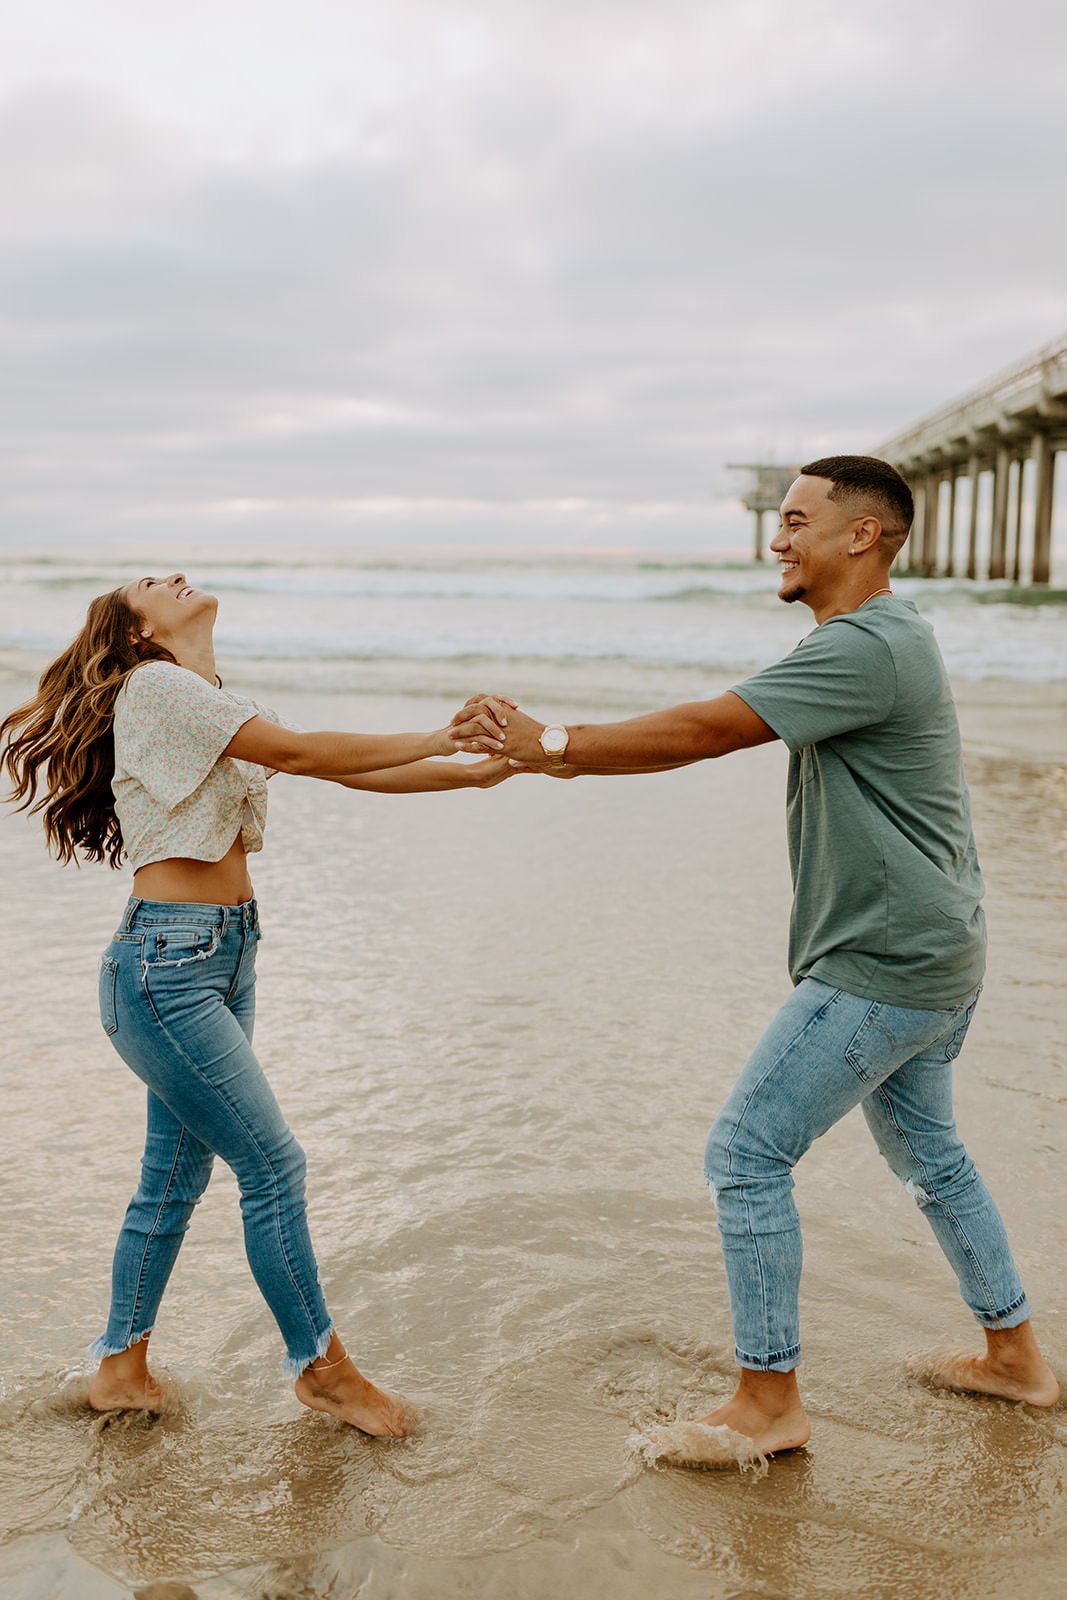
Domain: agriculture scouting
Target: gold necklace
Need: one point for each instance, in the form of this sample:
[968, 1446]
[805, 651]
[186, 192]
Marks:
[873, 596]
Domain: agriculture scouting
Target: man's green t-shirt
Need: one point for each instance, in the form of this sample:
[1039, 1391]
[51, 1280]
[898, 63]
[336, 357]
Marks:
[886, 884]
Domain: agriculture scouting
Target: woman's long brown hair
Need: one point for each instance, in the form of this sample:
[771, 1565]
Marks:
[62, 739]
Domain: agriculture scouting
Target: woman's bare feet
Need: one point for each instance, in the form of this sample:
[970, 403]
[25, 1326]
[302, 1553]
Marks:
[124, 1383]
[1012, 1368]
[334, 1384]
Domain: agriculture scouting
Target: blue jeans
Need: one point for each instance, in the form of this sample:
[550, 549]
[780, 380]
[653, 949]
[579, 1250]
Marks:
[825, 1052]
[177, 997]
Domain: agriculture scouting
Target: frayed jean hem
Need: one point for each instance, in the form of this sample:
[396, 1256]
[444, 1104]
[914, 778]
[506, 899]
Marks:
[777, 1361]
[101, 1348]
[1010, 1317]
[293, 1366]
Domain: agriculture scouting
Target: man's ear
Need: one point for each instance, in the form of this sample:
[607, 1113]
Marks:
[866, 532]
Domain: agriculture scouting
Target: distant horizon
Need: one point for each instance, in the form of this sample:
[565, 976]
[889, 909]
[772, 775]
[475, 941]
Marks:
[371, 556]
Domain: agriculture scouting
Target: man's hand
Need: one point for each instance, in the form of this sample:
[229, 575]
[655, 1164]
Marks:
[542, 768]
[522, 736]
[522, 739]
[518, 732]
[479, 725]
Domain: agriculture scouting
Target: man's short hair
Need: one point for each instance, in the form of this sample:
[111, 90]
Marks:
[873, 486]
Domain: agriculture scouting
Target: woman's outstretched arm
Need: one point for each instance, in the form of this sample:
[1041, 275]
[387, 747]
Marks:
[346, 755]
[432, 777]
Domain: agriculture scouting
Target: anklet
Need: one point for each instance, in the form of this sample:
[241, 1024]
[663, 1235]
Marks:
[318, 1365]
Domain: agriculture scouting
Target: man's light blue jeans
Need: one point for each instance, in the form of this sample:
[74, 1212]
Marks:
[825, 1052]
[177, 998]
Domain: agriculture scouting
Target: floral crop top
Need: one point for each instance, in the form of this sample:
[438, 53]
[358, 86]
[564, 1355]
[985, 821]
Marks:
[175, 792]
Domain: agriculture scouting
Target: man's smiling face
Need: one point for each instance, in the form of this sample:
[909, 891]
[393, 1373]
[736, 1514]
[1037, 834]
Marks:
[813, 541]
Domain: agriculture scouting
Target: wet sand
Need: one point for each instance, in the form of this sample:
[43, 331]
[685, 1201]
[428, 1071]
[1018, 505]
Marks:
[501, 1024]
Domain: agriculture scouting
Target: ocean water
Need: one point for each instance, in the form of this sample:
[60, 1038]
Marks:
[411, 627]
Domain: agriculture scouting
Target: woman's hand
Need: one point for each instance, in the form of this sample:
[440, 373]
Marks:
[521, 739]
[482, 718]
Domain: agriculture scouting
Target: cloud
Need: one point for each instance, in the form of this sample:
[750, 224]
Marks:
[509, 258]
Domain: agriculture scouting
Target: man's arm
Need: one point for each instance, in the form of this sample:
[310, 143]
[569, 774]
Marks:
[568, 770]
[698, 731]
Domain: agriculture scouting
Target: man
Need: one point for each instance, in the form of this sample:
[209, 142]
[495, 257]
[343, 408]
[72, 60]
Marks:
[887, 937]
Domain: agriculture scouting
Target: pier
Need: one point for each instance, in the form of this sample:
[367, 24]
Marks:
[997, 445]
[766, 494]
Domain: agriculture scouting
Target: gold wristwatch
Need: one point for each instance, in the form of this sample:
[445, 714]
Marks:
[553, 742]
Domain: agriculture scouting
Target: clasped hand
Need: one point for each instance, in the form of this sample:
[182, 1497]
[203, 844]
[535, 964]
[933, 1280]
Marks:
[497, 727]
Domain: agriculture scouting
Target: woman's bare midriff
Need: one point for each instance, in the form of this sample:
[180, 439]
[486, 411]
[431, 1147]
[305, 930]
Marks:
[211, 883]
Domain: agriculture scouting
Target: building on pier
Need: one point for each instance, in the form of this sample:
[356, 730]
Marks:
[1003, 435]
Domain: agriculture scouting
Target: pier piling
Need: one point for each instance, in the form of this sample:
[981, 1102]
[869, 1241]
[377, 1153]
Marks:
[1019, 415]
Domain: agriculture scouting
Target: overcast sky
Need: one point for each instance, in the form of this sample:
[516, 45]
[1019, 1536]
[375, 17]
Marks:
[423, 272]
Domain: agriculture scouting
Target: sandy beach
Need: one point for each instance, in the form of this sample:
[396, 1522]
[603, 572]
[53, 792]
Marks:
[500, 1024]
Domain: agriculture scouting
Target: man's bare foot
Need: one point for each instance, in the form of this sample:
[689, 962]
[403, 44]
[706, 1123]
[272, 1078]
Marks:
[770, 1431]
[124, 1383]
[1012, 1368]
[1034, 1384]
[342, 1391]
[762, 1418]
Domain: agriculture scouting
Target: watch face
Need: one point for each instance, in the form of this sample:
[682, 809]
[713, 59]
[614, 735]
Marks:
[554, 740]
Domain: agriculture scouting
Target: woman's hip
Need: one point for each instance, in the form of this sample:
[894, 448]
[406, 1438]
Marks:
[176, 996]
[181, 968]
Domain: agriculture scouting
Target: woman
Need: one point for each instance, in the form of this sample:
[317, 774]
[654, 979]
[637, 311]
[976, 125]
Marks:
[141, 752]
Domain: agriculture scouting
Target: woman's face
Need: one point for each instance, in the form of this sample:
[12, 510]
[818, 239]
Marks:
[169, 606]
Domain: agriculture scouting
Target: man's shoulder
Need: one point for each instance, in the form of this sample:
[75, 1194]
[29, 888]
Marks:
[891, 619]
[893, 629]
[850, 634]
[910, 645]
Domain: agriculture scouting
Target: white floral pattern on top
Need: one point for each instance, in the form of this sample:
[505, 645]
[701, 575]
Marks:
[176, 794]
